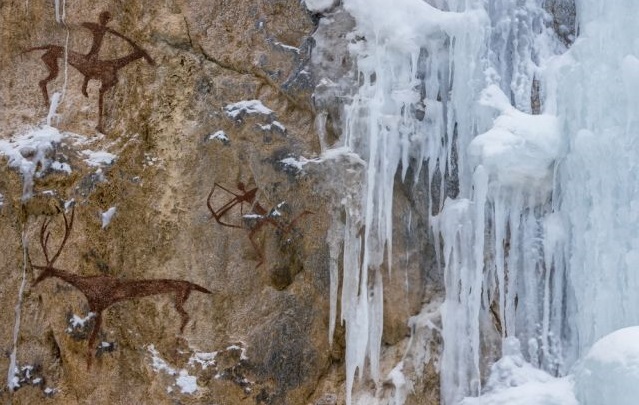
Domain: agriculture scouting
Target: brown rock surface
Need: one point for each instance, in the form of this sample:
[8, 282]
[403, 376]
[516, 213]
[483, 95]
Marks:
[269, 324]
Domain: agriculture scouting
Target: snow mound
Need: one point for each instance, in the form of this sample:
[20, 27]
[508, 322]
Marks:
[513, 381]
[520, 148]
[609, 374]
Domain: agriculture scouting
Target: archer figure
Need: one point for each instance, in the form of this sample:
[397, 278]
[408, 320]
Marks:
[254, 221]
[89, 65]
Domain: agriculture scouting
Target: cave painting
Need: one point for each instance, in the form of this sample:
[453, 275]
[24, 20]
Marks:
[103, 291]
[254, 220]
[89, 65]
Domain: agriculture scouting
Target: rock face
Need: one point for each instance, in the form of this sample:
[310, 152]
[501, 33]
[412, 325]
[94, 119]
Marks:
[202, 100]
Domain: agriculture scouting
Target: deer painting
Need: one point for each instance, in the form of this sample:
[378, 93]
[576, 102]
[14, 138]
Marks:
[101, 292]
[106, 71]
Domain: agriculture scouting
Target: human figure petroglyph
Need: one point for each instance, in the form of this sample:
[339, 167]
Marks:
[89, 65]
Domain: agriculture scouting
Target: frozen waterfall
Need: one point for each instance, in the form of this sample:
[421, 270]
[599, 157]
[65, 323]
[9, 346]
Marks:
[523, 115]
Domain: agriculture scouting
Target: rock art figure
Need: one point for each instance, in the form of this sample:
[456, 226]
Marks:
[106, 71]
[254, 221]
[103, 291]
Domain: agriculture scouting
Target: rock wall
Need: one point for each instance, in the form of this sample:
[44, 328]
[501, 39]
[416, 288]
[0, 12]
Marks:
[213, 92]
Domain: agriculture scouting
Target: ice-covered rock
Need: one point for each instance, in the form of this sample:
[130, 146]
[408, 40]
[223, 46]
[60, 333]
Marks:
[609, 373]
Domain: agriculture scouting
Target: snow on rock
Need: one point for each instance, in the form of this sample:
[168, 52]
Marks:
[28, 151]
[158, 363]
[79, 322]
[1, 200]
[203, 359]
[186, 382]
[275, 125]
[520, 148]
[61, 167]
[297, 164]
[513, 381]
[239, 109]
[219, 136]
[609, 373]
[318, 6]
[98, 158]
[286, 47]
[107, 216]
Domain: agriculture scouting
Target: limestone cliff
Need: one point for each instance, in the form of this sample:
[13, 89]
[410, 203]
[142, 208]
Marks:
[201, 100]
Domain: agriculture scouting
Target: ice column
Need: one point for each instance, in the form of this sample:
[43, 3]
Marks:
[599, 95]
[407, 110]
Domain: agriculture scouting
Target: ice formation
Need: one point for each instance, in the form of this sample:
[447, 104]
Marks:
[531, 141]
[609, 373]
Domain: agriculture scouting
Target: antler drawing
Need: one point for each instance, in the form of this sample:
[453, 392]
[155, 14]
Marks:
[259, 218]
[106, 71]
[103, 291]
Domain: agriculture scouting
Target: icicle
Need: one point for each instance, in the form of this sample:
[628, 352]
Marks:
[13, 364]
[60, 10]
[335, 243]
[57, 97]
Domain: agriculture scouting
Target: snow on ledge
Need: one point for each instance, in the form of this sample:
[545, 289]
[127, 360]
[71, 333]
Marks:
[334, 154]
[520, 148]
[236, 110]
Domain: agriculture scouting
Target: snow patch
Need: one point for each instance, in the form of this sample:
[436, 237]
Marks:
[219, 136]
[513, 381]
[329, 155]
[275, 125]
[186, 382]
[237, 110]
[61, 167]
[98, 158]
[286, 47]
[79, 322]
[107, 216]
[203, 359]
[28, 152]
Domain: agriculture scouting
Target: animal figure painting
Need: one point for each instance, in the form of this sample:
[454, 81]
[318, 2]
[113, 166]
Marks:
[89, 65]
[103, 291]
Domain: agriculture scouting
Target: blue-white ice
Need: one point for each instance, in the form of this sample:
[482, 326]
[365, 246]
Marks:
[542, 236]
